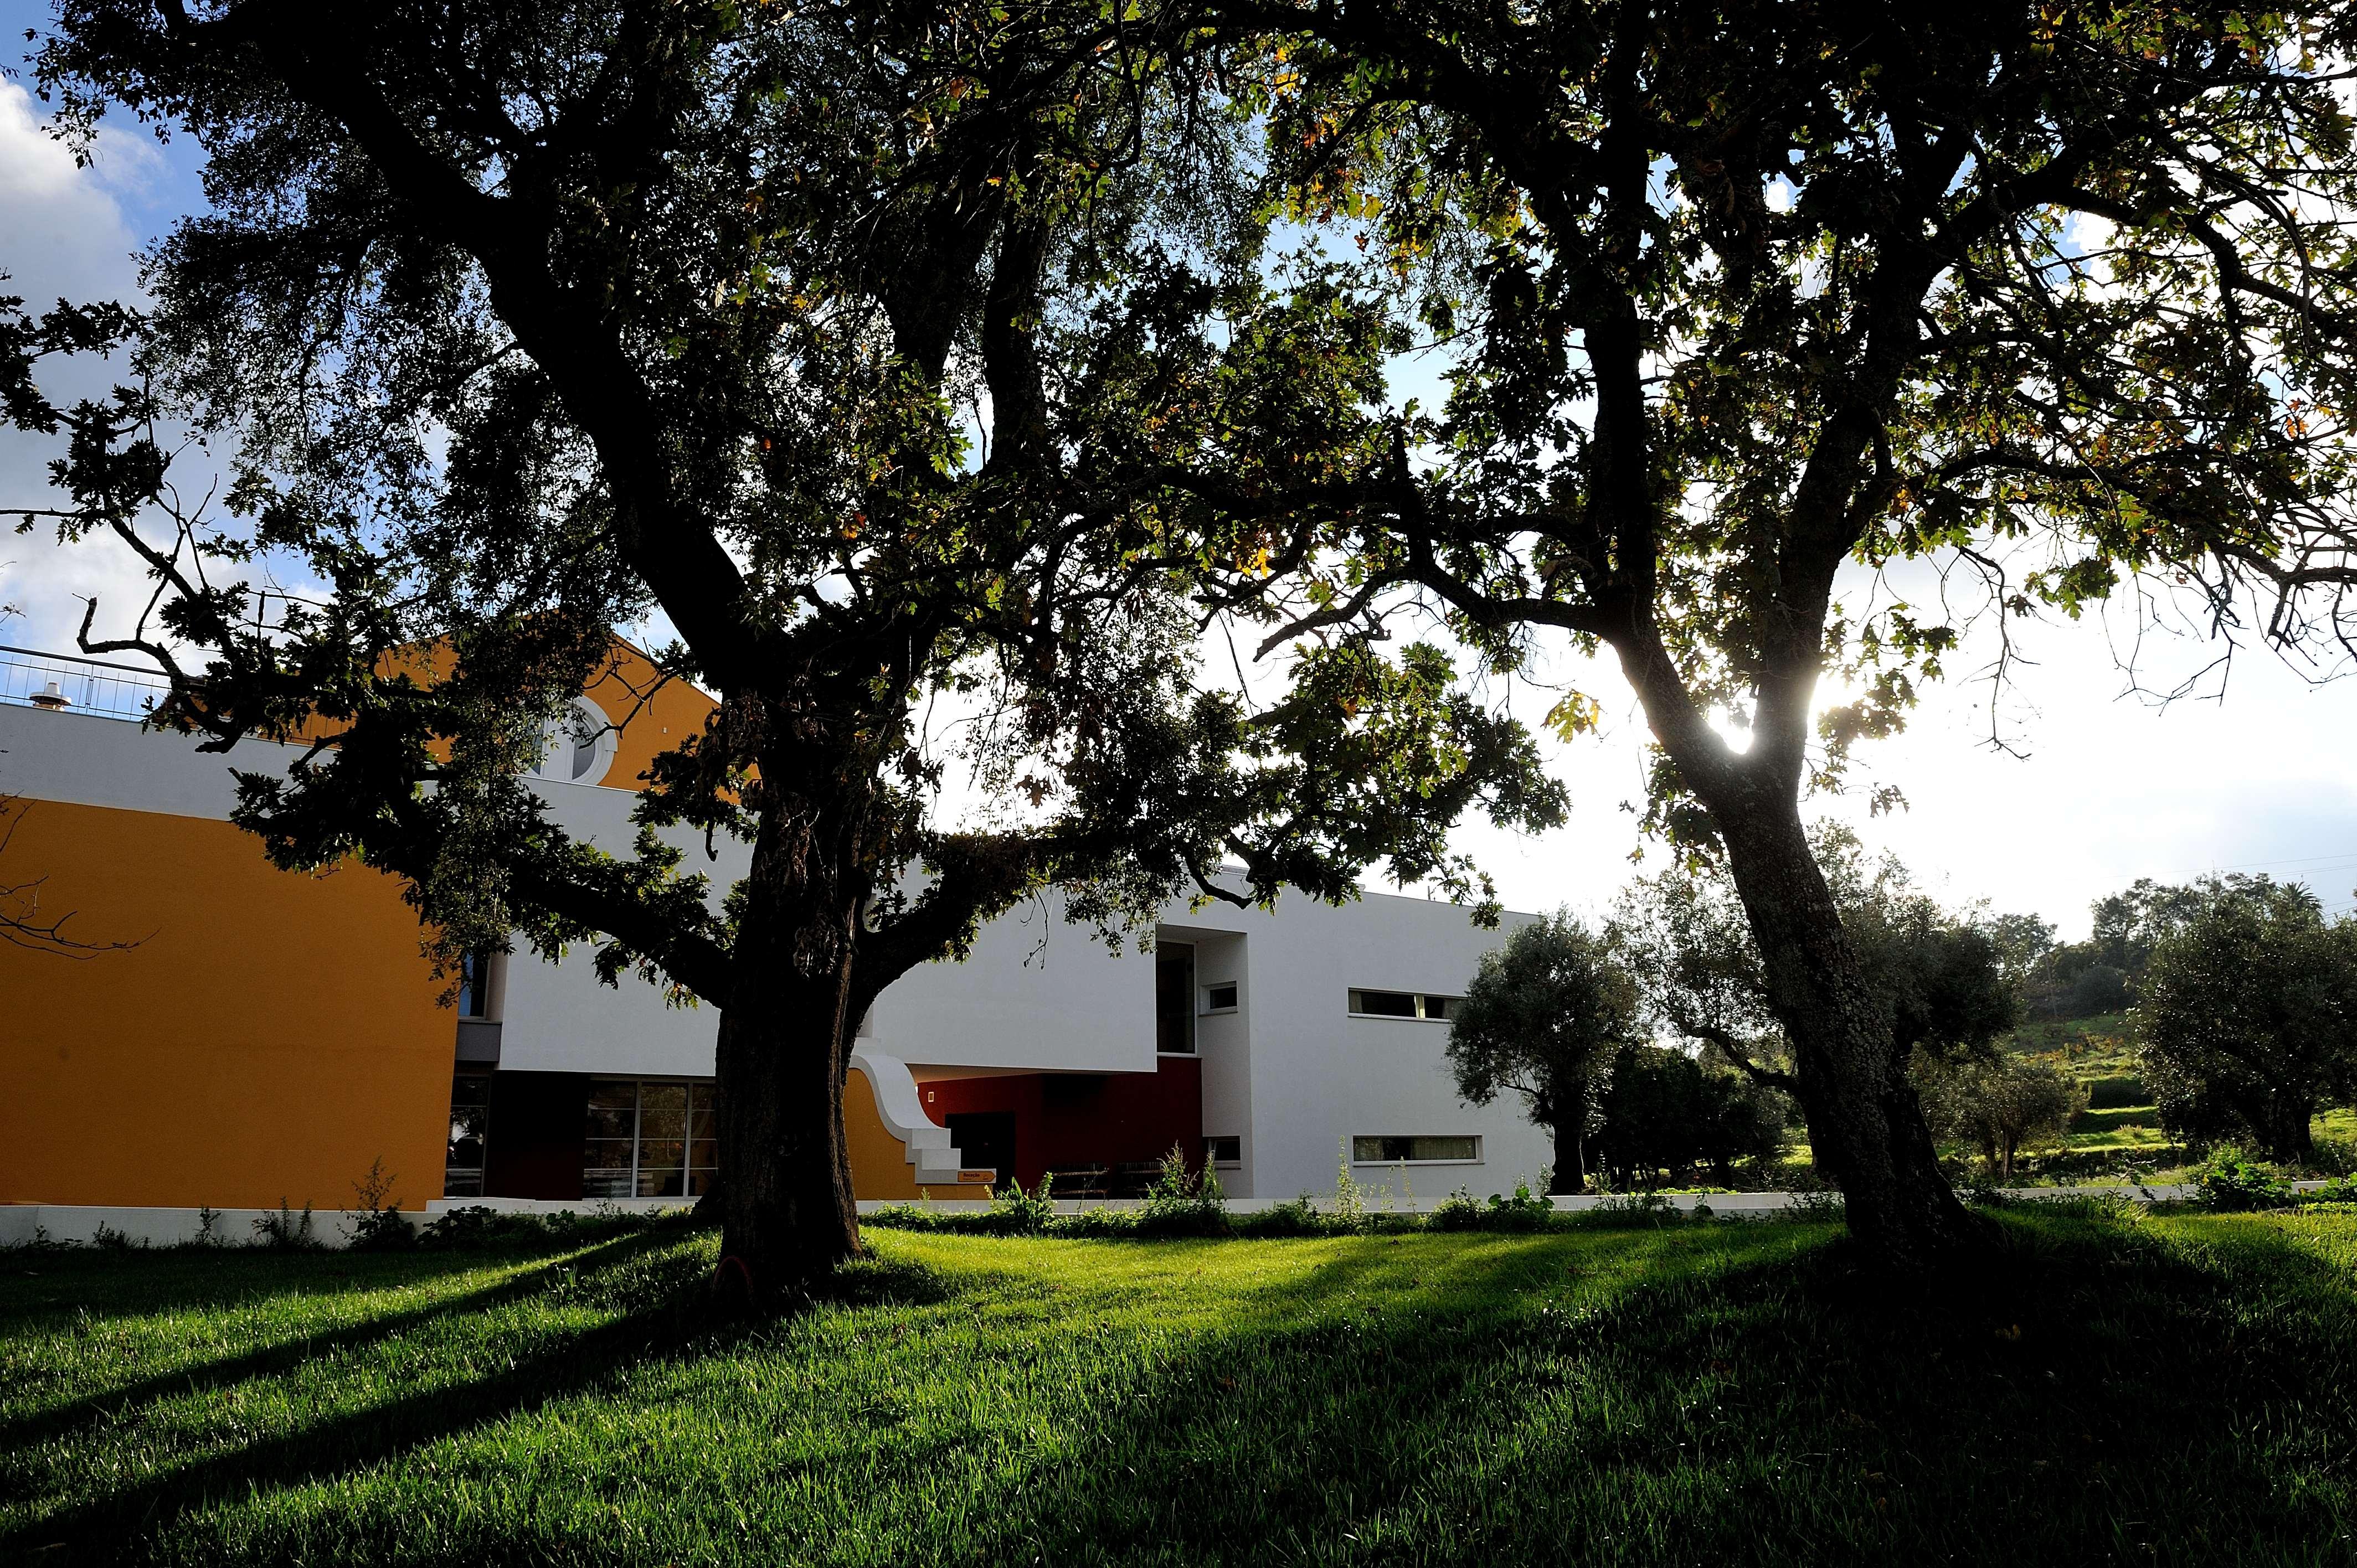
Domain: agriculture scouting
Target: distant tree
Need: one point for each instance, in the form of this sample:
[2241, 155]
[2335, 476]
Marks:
[1542, 1017]
[1669, 1110]
[2246, 1020]
[2022, 943]
[1940, 976]
[2100, 975]
[1999, 1104]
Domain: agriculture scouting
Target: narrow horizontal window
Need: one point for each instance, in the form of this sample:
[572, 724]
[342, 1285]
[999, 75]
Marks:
[1219, 998]
[1226, 1151]
[1391, 1151]
[1404, 1004]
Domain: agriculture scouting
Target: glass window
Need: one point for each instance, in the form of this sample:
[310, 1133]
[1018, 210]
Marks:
[1219, 998]
[1174, 998]
[1402, 1005]
[1224, 1151]
[577, 745]
[470, 1118]
[650, 1138]
[1387, 1151]
[475, 985]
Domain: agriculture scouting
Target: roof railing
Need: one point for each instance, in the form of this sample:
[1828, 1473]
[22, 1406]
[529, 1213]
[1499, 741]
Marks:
[69, 684]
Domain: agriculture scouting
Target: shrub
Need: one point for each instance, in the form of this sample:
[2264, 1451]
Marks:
[40, 1240]
[1090, 1224]
[2339, 1189]
[1015, 1212]
[2116, 1093]
[111, 1239]
[2230, 1179]
[1350, 1198]
[378, 1225]
[1457, 1211]
[1525, 1210]
[1182, 1202]
[286, 1232]
[1522, 1211]
[1298, 1218]
[479, 1226]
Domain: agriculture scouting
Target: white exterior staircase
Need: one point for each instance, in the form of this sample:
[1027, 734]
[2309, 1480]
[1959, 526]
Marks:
[903, 1108]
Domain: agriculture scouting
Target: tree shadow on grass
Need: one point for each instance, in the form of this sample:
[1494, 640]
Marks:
[123, 1401]
[2101, 1396]
[40, 1287]
[669, 1311]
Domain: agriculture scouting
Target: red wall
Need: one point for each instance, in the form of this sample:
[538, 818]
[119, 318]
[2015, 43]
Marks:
[533, 1146]
[1078, 1118]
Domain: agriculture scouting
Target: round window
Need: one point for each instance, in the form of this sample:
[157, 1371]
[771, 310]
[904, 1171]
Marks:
[579, 745]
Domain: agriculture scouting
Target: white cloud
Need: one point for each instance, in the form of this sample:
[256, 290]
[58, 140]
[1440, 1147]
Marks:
[66, 237]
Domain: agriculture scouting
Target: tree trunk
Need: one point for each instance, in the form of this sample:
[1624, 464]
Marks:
[1866, 1129]
[2287, 1130]
[1570, 1173]
[787, 1210]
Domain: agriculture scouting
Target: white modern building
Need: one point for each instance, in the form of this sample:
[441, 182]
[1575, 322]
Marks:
[230, 1034]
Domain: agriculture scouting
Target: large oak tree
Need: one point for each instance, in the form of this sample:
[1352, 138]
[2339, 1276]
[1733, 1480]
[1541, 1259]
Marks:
[806, 327]
[1735, 299]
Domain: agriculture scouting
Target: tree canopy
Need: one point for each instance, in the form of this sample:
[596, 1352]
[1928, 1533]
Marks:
[1999, 1103]
[862, 344]
[2246, 1019]
[1739, 310]
[1542, 1018]
[1664, 1110]
[1939, 974]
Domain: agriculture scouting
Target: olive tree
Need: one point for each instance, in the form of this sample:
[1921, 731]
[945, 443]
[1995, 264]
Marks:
[1669, 1109]
[1999, 1103]
[1940, 979]
[2246, 1019]
[1542, 1018]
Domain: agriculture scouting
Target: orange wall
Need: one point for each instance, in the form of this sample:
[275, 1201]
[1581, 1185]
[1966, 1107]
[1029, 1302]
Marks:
[879, 1162]
[654, 714]
[653, 718]
[271, 1034]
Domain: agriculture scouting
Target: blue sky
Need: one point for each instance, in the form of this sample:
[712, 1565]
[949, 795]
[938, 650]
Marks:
[2112, 787]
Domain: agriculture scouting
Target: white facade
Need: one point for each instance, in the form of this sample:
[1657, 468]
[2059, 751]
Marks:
[1289, 1072]
[1298, 1078]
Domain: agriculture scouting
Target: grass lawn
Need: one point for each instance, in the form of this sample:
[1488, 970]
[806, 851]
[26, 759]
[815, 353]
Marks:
[2178, 1389]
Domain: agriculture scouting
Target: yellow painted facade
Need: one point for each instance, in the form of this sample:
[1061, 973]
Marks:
[879, 1162]
[268, 1034]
